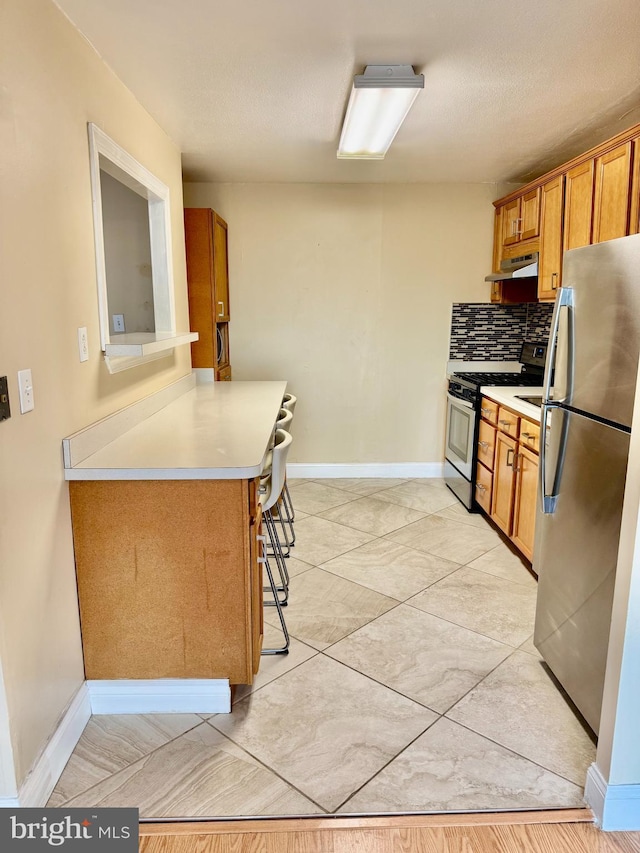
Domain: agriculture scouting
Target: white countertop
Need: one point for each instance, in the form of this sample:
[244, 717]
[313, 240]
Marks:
[218, 431]
[507, 396]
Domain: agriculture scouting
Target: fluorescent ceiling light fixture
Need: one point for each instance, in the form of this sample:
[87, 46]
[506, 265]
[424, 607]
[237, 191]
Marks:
[379, 103]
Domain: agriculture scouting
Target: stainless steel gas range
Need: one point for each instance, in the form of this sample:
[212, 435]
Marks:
[463, 417]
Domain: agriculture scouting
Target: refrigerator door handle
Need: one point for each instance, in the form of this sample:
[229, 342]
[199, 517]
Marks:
[564, 299]
[548, 501]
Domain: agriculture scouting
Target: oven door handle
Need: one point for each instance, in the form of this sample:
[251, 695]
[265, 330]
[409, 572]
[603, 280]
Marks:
[460, 402]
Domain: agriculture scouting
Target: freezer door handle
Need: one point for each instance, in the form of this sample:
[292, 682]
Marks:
[564, 299]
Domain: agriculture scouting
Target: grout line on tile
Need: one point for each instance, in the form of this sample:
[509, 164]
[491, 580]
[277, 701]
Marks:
[381, 683]
[515, 752]
[267, 767]
[316, 652]
[377, 773]
[140, 758]
[457, 624]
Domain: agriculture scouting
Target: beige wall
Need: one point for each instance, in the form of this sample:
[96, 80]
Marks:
[346, 290]
[53, 83]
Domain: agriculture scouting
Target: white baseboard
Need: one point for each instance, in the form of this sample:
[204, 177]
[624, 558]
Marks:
[160, 696]
[616, 807]
[37, 787]
[405, 470]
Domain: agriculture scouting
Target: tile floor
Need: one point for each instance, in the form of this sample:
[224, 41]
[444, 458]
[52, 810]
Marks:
[412, 683]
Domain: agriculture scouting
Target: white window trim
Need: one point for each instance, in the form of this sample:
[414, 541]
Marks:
[106, 154]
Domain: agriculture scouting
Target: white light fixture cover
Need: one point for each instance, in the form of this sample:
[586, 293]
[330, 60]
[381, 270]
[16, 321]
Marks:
[380, 100]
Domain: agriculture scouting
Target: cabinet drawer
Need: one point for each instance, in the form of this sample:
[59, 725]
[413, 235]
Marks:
[486, 444]
[489, 410]
[508, 422]
[484, 487]
[530, 435]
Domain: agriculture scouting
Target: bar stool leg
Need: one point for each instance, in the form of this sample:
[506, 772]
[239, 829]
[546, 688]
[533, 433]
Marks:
[290, 514]
[285, 649]
[279, 558]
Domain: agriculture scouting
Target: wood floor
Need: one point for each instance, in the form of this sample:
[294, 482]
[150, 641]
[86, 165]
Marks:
[570, 831]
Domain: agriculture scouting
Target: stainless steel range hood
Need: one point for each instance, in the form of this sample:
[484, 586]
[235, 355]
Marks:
[525, 266]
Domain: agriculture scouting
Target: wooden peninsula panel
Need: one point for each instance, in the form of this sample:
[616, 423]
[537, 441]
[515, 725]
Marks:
[165, 578]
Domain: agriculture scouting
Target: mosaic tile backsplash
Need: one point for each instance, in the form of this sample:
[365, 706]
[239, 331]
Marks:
[485, 332]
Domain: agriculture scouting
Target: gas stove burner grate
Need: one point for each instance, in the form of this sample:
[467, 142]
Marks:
[504, 379]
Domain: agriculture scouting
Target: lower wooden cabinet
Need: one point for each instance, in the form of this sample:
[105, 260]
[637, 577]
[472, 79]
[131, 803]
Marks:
[503, 482]
[169, 582]
[507, 472]
[484, 487]
[524, 510]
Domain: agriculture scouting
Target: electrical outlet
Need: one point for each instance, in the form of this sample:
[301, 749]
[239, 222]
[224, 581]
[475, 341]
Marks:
[25, 387]
[83, 344]
[118, 322]
[5, 409]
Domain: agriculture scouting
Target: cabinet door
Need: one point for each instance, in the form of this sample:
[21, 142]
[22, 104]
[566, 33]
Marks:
[530, 214]
[257, 613]
[503, 482]
[221, 269]
[510, 222]
[508, 422]
[611, 202]
[497, 240]
[634, 222]
[198, 233]
[578, 205]
[530, 435]
[486, 444]
[550, 262]
[526, 491]
[484, 480]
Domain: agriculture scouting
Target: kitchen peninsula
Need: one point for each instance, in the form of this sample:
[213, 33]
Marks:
[165, 526]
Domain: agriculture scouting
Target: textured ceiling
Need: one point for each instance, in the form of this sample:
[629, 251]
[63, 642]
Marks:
[255, 90]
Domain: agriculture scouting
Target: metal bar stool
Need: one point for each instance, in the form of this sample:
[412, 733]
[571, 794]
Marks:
[268, 494]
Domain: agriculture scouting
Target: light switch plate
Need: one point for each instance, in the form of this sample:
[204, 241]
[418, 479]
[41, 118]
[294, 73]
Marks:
[83, 344]
[118, 323]
[25, 387]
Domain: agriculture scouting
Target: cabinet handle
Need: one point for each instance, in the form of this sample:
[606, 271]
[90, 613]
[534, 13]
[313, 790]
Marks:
[506, 424]
[554, 281]
[221, 309]
[529, 436]
[483, 444]
[518, 230]
[480, 487]
[510, 463]
[516, 457]
[485, 411]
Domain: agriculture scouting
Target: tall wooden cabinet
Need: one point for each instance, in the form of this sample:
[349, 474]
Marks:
[208, 284]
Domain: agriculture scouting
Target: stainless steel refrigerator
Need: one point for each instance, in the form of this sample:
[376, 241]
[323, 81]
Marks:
[590, 381]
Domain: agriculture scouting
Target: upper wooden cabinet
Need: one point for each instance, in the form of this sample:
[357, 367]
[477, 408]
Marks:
[578, 205]
[520, 219]
[530, 214]
[612, 194]
[550, 261]
[208, 287]
[593, 198]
